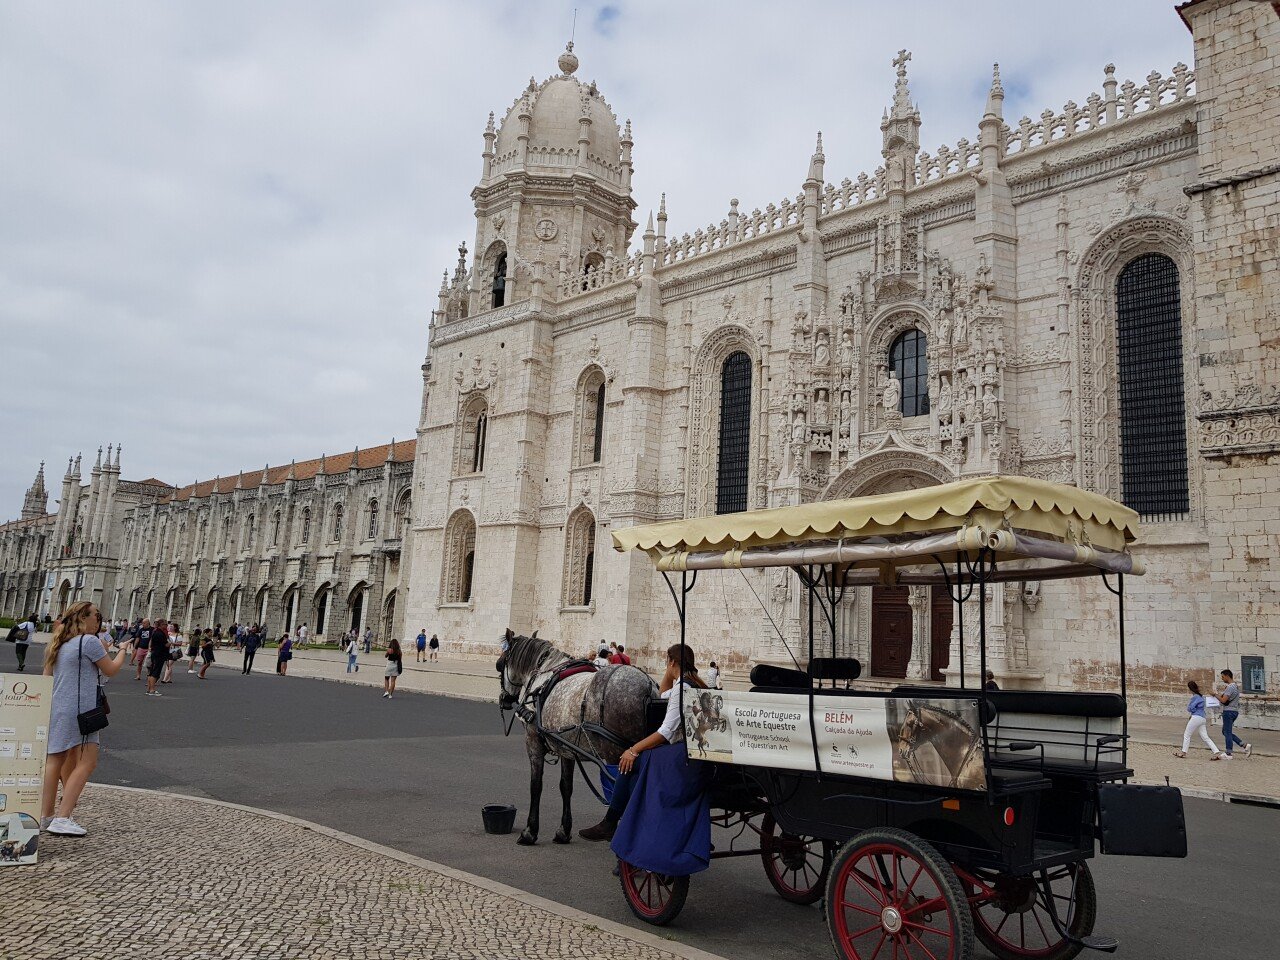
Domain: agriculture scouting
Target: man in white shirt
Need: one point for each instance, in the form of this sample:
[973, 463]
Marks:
[23, 634]
[303, 633]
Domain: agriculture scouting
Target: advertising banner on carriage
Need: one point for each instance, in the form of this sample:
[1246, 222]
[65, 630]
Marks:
[905, 739]
[25, 701]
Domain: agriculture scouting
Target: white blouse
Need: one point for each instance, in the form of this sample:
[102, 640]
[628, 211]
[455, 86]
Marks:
[672, 728]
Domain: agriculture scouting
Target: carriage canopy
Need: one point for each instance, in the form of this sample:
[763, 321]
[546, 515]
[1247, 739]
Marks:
[1035, 529]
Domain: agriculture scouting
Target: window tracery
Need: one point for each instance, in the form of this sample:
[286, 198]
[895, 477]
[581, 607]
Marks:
[579, 558]
[337, 523]
[706, 391]
[472, 436]
[909, 362]
[589, 422]
[372, 531]
[458, 564]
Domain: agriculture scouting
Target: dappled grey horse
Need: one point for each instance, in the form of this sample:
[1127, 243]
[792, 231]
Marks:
[559, 714]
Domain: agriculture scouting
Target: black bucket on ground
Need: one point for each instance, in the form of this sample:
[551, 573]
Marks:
[498, 818]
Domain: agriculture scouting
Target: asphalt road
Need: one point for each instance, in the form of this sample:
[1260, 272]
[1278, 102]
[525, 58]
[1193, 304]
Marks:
[413, 773]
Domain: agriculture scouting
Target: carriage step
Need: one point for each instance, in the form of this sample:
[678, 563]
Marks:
[1096, 941]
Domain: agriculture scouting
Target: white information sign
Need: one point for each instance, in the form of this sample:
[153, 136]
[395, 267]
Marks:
[25, 701]
[907, 739]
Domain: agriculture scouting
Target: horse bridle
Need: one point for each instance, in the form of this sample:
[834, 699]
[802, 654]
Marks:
[907, 750]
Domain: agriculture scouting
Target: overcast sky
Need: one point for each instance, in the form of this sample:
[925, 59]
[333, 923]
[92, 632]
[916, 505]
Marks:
[223, 224]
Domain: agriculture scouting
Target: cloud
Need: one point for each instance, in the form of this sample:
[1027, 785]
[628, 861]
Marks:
[225, 223]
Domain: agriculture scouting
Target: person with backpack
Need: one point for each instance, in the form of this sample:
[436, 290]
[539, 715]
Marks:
[352, 650]
[141, 645]
[20, 636]
[250, 646]
[395, 667]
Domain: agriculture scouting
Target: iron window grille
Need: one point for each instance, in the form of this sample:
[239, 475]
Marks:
[1153, 430]
[735, 434]
[909, 360]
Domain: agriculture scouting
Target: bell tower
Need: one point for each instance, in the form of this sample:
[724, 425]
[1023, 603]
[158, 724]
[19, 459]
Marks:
[36, 502]
[555, 189]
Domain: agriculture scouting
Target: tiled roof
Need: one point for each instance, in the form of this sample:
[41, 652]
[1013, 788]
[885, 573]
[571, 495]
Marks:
[401, 452]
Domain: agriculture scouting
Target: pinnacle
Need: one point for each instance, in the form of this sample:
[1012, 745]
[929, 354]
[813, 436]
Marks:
[568, 62]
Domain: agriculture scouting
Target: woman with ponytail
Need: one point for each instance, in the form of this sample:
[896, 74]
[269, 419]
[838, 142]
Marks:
[74, 658]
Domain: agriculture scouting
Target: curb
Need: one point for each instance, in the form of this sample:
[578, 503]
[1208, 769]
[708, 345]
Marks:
[643, 937]
[1226, 796]
[374, 686]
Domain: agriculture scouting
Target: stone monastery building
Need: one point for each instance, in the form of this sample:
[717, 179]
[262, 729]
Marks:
[1088, 296]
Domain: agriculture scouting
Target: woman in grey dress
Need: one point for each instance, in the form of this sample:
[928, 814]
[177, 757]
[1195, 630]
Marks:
[74, 658]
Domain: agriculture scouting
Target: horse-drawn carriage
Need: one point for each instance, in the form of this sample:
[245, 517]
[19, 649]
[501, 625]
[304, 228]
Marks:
[924, 814]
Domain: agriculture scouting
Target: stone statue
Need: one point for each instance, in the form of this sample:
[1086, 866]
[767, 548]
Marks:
[990, 406]
[892, 394]
[846, 350]
[821, 408]
[944, 396]
[822, 352]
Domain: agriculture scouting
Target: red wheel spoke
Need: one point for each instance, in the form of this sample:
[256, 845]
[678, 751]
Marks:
[1036, 915]
[907, 892]
[920, 943]
[860, 909]
[927, 906]
[876, 894]
[1002, 923]
[864, 931]
[926, 928]
[875, 953]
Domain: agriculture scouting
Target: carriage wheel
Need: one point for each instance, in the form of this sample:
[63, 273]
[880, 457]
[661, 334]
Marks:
[653, 897]
[891, 894]
[797, 866]
[1011, 914]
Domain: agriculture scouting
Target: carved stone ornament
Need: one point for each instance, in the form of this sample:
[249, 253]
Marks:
[546, 230]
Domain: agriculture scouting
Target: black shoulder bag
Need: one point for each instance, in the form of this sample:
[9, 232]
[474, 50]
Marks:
[90, 721]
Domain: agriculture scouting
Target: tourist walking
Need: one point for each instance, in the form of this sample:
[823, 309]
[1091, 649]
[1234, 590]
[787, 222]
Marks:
[421, 644]
[250, 646]
[174, 651]
[395, 667]
[142, 645]
[352, 650]
[158, 658]
[303, 633]
[75, 658]
[21, 635]
[368, 639]
[1196, 724]
[435, 647]
[206, 653]
[1231, 715]
[602, 657]
[284, 655]
[193, 649]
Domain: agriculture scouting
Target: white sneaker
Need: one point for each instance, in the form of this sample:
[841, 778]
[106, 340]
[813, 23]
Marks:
[155, 693]
[1248, 749]
[66, 827]
[1227, 756]
[385, 694]
[190, 671]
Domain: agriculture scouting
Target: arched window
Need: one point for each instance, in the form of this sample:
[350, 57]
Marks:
[459, 558]
[404, 514]
[1153, 428]
[337, 522]
[590, 419]
[499, 288]
[226, 534]
[373, 520]
[474, 428]
[591, 265]
[246, 540]
[579, 558]
[204, 535]
[909, 361]
[275, 529]
[305, 534]
[735, 434]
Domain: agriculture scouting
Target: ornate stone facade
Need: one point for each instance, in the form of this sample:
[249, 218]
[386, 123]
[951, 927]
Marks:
[317, 542]
[1003, 252]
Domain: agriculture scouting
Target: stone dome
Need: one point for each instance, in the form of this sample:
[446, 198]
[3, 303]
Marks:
[555, 106]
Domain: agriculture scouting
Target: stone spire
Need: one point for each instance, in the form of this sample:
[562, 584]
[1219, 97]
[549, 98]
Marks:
[119, 447]
[36, 502]
[568, 61]
[816, 163]
[900, 131]
[995, 96]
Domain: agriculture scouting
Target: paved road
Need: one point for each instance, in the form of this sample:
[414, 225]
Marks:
[412, 773]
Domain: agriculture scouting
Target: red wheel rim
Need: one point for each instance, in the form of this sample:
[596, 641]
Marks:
[796, 863]
[888, 905]
[648, 892]
[1013, 910]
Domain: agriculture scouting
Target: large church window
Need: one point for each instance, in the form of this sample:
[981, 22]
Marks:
[735, 433]
[579, 558]
[373, 520]
[475, 428]
[459, 558]
[306, 525]
[1153, 432]
[337, 523]
[590, 420]
[909, 361]
[499, 288]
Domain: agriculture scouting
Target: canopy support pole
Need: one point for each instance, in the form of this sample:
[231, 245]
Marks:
[682, 605]
[1118, 590]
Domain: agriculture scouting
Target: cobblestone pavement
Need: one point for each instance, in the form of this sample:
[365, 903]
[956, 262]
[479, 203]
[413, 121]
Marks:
[161, 876]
